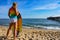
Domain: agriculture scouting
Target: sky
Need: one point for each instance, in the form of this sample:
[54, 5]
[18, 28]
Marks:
[32, 8]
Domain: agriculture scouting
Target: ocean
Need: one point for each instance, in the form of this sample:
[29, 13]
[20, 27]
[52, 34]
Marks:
[35, 23]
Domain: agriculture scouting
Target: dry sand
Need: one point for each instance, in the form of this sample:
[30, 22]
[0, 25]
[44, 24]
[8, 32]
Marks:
[31, 34]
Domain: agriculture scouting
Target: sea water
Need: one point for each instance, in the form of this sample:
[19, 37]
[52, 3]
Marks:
[35, 23]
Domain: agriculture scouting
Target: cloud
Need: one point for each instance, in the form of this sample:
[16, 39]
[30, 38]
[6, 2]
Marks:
[48, 6]
[4, 9]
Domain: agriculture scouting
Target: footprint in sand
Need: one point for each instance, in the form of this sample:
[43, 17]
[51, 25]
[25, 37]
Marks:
[3, 38]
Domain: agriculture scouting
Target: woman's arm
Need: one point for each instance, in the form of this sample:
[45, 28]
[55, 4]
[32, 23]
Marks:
[16, 12]
[9, 13]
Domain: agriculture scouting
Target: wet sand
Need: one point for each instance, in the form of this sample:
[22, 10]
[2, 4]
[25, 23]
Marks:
[31, 34]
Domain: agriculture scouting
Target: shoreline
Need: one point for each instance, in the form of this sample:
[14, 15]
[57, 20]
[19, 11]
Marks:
[41, 27]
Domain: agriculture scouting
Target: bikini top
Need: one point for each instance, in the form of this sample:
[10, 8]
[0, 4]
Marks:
[12, 12]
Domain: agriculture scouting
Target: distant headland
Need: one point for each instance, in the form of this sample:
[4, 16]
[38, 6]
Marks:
[54, 18]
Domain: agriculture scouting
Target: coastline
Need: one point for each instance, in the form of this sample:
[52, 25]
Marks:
[32, 34]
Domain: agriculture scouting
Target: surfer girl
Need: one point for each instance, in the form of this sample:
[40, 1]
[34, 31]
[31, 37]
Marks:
[13, 13]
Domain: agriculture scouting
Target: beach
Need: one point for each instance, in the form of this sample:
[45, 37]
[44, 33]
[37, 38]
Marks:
[31, 34]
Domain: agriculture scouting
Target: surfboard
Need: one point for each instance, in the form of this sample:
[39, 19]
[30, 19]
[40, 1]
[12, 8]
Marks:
[19, 24]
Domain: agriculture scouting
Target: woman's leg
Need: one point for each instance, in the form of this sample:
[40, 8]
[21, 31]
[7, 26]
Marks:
[15, 30]
[10, 25]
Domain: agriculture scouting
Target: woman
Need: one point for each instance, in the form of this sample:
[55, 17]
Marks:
[13, 19]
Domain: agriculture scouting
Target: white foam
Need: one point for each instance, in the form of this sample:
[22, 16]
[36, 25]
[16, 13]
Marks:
[52, 28]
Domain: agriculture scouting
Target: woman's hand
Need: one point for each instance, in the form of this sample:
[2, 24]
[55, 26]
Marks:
[17, 13]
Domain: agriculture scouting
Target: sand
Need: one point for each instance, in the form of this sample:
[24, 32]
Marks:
[31, 34]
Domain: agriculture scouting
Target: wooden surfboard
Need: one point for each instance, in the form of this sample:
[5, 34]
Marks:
[19, 24]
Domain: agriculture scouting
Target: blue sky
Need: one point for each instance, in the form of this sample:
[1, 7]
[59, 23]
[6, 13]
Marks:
[31, 8]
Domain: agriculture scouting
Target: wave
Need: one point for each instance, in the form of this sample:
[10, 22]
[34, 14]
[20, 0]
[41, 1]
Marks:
[39, 26]
[42, 27]
[52, 27]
